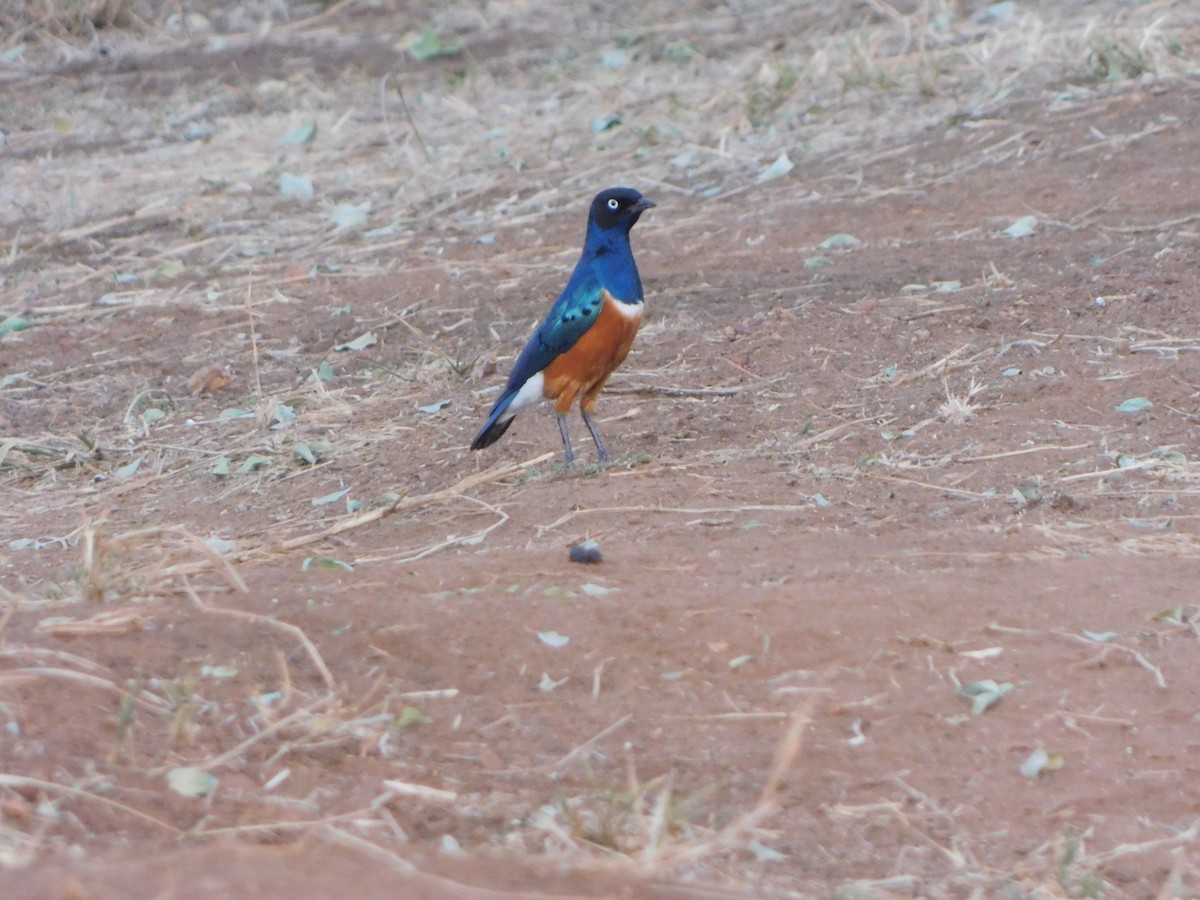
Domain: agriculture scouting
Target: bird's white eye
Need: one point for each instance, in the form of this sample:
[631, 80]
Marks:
[614, 204]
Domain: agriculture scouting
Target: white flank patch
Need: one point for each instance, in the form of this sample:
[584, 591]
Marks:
[529, 394]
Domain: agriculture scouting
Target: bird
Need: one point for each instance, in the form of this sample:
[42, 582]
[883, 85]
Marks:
[588, 331]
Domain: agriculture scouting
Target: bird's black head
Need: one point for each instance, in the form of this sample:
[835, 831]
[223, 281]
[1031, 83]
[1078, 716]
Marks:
[618, 207]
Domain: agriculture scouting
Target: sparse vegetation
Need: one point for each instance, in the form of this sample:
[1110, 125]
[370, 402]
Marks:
[259, 264]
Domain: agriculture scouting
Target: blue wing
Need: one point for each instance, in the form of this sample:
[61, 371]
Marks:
[573, 313]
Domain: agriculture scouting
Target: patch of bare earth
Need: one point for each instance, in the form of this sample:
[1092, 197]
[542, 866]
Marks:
[270, 629]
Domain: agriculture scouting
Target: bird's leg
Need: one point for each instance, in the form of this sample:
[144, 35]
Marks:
[587, 420]
[562, 429]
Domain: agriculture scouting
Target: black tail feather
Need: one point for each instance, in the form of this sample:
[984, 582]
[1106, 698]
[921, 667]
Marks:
[491, 433]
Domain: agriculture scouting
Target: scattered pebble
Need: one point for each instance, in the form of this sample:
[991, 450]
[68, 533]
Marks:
[587, 553]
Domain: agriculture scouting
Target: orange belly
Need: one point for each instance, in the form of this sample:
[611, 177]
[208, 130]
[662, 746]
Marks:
[583, 370]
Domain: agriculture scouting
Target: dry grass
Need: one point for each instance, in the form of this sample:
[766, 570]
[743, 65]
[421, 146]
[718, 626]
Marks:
[94, 232]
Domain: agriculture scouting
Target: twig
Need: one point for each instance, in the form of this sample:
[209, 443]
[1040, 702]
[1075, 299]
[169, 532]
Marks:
[408, 789]
[834, 430]
[591, 742]
[733, 716]
[958, 492]
[934, 312]
[290, 825]
[938, 365]
[452, 541]
[254, 346]
[1103, 473]
[275, 727]
[1105, 646]
[115, 621]
[439, 694]
[404, 503]
[242, 615]
[1117, 140]
[785, 757]
[156, 704]
[362, 845]
[1022, 452]
[596, 674]
[220, 563]
[683, 510]
[408, 115]
[731, 391]
[1186, 837]
[18, 782]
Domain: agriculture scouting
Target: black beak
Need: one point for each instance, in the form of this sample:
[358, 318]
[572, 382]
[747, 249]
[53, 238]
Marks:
[642, 205]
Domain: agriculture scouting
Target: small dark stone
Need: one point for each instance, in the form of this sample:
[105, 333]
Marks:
[587, 553]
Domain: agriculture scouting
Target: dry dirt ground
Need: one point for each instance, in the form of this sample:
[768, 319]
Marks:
[899, 588]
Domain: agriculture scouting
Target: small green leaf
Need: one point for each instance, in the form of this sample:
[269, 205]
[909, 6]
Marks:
[299, 187]
[13, 324]
[283, 416]
[606, 122]
[353, 506]
[409, 716]
[1173, 616]
[218, 671]
[817, 262]
[763, 853]
[153, 414]
[221, 466]
[1134, 404]
[430, 45]
[597, 590]
[325, 371]
[302, 451]
[9, 57]
[228, 415]
[329, 498]
[188, 781]
[782, 165]
[362, 342]
[350, 215]
[172, 268]
[129, 469]
[983, 694]
[301, 134]
[1023, 227]
[197, 131]
[839, 242]
[253, 462]
[548, 684]
[325, 562]
[614, 58]
[680, 52]
[553, 639]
